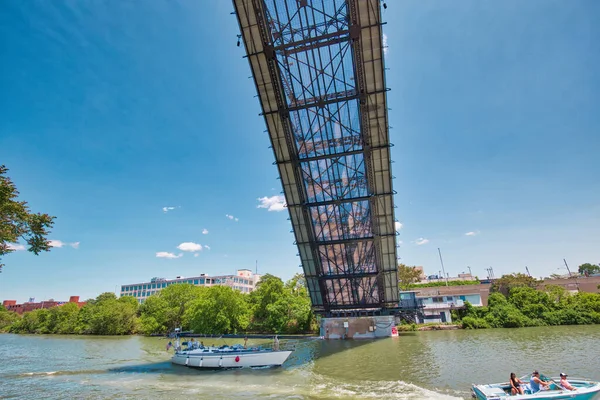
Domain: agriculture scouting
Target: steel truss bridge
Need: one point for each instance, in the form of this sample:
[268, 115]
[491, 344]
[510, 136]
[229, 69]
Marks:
[319, 71]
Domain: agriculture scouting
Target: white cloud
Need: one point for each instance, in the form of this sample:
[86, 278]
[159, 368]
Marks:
[167, 209]
[60, 243]
[398, 225]
[384, 44]
[421, 241]
[205, 231]
[472, 233]
[400, 242]
[207, 247]
[190, 246]
[273, 203]
[196, 255]
[231, 217]
[15, 247]
[164, 254]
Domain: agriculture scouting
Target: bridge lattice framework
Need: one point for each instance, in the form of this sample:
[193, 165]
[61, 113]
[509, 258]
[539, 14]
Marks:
[318, 66]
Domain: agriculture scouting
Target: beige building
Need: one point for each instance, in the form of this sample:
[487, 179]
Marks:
[244, 280]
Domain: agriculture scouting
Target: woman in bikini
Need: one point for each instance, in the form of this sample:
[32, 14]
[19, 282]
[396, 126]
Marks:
[515, 384]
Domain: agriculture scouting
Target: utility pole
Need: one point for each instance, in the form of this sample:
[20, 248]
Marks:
[470, 273]
[576, 280]
[527, 269]
[567, 265]
[442, 262]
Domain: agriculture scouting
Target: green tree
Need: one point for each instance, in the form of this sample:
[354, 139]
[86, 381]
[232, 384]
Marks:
[407, 276]
[300, 315]
[64, 319]
[177, 299]
[18, 222]
[35, 321]
[556, 293]
[7, 318]
[268, 305]
[153, 315]
[218, 310]
[505, 283]
[107, 315]
[589, 268]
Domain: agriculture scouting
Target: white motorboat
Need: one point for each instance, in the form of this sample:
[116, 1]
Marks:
[236, 356]
[584, 389]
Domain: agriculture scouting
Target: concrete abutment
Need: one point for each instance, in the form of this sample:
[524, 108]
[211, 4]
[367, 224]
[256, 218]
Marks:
[358, 327]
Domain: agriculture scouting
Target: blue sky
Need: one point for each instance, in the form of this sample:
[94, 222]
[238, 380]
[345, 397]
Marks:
[111, 112]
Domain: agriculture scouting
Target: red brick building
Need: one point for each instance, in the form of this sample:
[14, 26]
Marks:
[11, 305]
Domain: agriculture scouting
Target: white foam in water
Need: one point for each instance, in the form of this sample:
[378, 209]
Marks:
[375, 389]
[300, 383]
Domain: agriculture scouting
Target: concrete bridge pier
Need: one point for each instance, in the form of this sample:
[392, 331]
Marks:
[357, 327]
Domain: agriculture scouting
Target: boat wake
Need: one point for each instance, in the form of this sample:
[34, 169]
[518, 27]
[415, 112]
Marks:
[329, 388]
[38, 374]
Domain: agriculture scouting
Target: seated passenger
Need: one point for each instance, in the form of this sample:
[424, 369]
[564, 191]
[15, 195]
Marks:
[535, 382]
[565, 383]
[515, 384]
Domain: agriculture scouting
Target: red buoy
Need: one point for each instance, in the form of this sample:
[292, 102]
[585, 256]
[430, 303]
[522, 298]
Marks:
[237, 358]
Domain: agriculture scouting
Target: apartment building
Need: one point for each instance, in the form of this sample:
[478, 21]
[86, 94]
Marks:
[244, 280]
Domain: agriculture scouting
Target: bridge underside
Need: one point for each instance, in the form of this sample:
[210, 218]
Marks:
[319, 72]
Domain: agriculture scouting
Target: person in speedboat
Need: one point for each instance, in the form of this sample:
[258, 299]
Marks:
[536, 384]
[516, 385]
[564, 383]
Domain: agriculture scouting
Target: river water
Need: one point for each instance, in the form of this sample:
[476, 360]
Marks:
[419, 365]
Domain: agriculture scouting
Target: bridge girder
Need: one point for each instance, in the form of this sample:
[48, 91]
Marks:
[319, 71]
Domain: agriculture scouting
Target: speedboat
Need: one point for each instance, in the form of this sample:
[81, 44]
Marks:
[585, 390]
[236, 356]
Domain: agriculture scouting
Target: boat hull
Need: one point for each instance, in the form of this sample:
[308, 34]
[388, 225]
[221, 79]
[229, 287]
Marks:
[586, 390]
[231, 360]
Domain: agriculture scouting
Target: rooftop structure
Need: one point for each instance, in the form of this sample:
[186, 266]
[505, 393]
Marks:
[245, 281]
[11, 305]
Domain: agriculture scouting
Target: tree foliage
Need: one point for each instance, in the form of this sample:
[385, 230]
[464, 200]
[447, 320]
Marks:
[407, 275]
[589, 269]
[7, 318]
[275, 307]
[218, 310]
[18, 222]
[526, 306]
[281, 308]
[507, 282]
[105, 315]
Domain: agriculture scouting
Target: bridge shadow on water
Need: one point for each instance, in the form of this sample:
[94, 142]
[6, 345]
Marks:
[305, 353]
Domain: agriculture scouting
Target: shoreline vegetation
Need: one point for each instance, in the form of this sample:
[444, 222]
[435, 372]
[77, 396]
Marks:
[278, 307]
[274, 307]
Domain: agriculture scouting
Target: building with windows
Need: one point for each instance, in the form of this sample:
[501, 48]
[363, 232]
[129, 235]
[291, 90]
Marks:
[11, 305]
[244, 280]
[436, 308]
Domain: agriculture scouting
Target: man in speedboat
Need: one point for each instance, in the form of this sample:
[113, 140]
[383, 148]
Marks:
[564, 383]
[536, 384]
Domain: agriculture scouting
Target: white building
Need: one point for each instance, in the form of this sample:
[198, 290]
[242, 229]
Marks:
[438, 308]
[245, 281]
